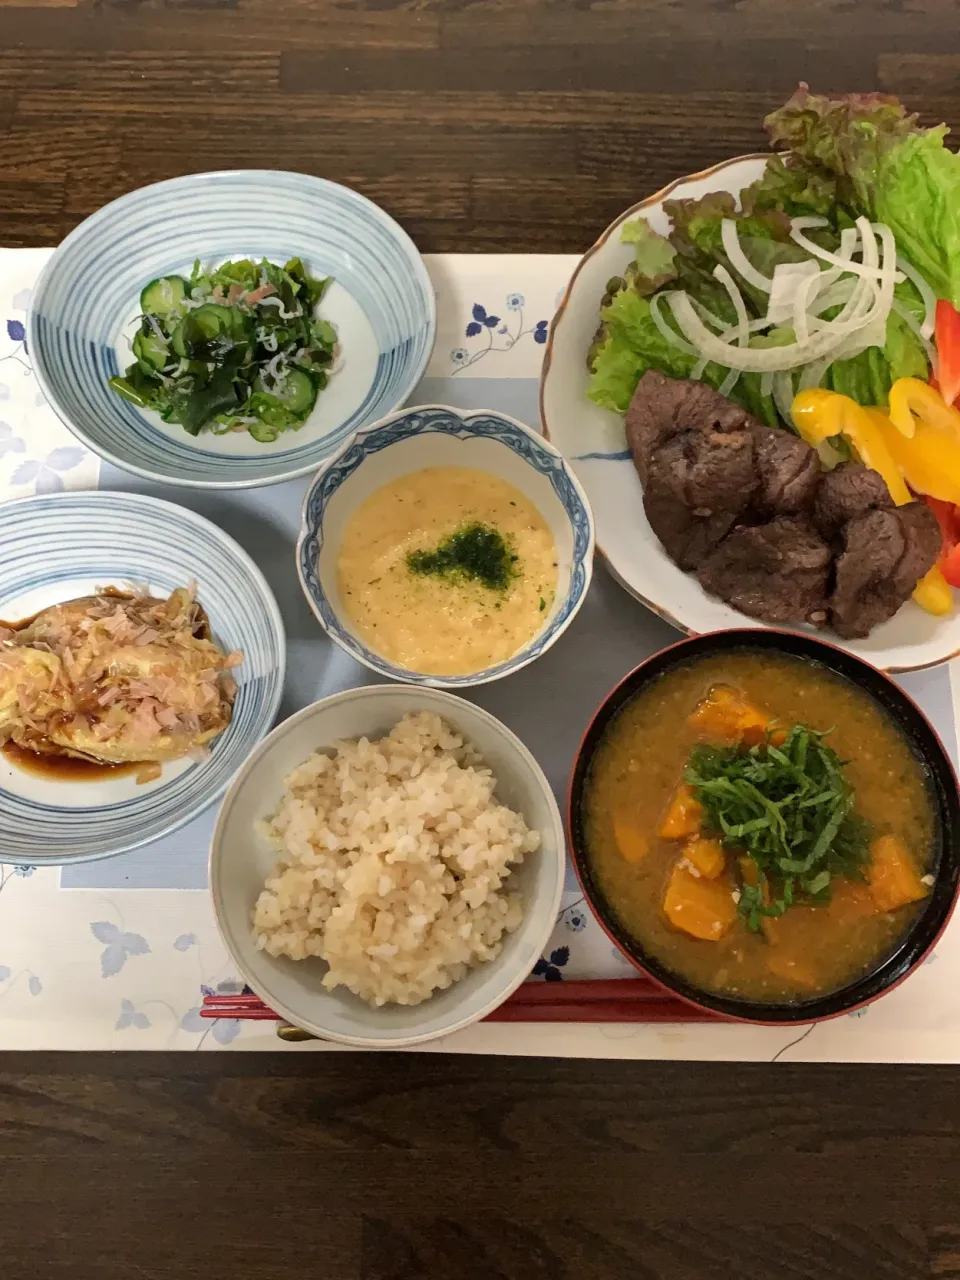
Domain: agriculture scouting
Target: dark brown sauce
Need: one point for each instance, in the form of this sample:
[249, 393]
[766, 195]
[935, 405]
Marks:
[21, 623]
[52, 763]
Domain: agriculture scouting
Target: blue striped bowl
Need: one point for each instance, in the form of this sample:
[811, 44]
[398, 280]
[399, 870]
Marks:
[86, 302]
[57, 547]
[438, 436]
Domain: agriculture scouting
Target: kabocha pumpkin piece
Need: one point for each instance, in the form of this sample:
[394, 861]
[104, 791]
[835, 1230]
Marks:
[894, 879]
[631, 841]
[706, 855]
[727, 715]
[701, 907]
[683, 817]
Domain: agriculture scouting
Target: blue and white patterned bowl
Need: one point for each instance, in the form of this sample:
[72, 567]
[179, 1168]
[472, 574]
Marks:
[86, 302]
[61, 546]
[436, 436]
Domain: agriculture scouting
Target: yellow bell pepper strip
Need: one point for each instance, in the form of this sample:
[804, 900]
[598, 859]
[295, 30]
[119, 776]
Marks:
[933, 593]
[821, 414]
[931, 464]
[914, 403]
[929, 461]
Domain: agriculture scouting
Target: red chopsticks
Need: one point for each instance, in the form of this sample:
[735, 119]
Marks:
[589, 1000]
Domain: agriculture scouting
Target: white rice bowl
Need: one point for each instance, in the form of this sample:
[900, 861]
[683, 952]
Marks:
[394, 863]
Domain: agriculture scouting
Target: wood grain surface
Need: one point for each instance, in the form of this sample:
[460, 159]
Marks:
[493, 124]
[481, 125]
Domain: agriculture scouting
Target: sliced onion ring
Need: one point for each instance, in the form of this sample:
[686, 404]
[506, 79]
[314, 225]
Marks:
[667, 332]
[759, 360]
[739, 260]
[926, 293]
[740, 307]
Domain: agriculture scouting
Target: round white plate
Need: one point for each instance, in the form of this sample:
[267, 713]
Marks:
[59, 547]
[593, 441]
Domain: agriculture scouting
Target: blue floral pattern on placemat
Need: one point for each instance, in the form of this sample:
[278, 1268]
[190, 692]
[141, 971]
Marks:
[501, 334]
[549, 967]
[46, 473]
[118, 946]
[38, 454]
[223, 1030]
[130, 1016]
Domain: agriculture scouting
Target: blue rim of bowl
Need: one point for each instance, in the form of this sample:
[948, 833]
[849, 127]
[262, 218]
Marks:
[478, 422]
[101, 214]
[180, 819]
[217, 856]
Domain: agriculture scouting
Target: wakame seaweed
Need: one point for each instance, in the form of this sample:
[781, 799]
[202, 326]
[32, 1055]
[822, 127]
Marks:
[237, 348]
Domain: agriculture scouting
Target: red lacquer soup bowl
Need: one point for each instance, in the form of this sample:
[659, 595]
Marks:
[893, 966]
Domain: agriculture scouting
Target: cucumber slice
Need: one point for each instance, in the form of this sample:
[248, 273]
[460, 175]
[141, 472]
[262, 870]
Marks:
[263, 432]
[271, 411]
[297, 391]
[245, 272]
[325, 333]
[151, 352]
[198, 329]
[180, 342]
[212, 319]
[163, 296]
[138, 387]
[128, 391]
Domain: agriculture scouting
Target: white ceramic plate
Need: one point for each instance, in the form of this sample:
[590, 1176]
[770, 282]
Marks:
[241, 859]
[61, 546]
[593, 440]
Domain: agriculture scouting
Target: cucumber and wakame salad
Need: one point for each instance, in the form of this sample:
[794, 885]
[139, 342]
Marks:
[237, 348]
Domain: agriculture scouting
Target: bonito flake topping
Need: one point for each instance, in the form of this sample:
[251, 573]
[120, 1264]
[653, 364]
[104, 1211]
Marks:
[115, 678]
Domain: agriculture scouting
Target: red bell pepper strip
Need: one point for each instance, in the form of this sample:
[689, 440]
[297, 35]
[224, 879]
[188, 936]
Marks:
[948, 518]
[947, 336]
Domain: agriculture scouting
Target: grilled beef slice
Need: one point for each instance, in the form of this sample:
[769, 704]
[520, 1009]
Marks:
[885, 553]
[778, 572]
[698, 484]
[788, 470]
[848, 491]
[664, 407]
[748, 509]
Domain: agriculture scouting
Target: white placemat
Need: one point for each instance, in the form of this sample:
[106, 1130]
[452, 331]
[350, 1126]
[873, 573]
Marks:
[118, 954]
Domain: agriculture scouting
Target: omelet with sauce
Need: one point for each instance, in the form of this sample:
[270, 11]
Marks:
[115, 678]
[445, 623]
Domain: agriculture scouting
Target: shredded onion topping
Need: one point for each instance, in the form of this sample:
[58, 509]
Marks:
[859, 279]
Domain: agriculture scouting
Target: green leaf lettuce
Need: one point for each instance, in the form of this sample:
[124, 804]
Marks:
[884, 165]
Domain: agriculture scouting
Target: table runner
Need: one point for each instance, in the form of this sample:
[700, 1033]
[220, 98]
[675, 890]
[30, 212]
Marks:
[119, 953]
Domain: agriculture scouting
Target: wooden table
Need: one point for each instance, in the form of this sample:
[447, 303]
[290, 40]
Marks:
[523, 125]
